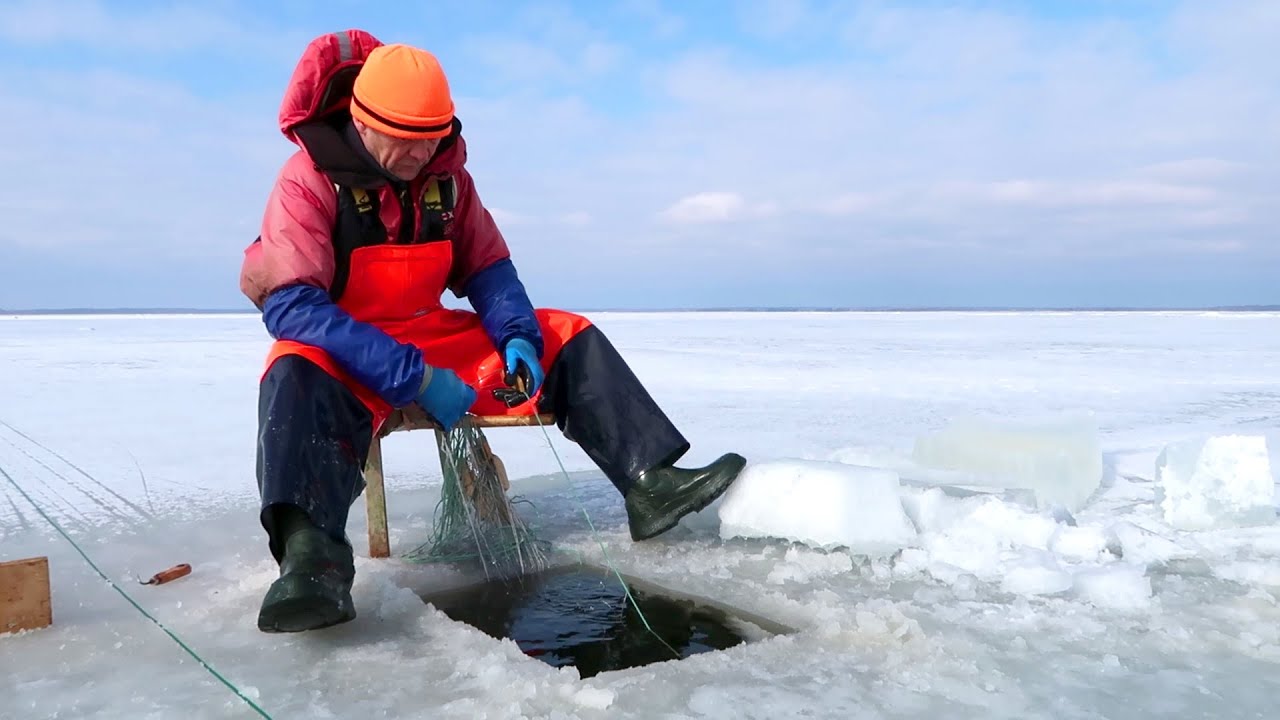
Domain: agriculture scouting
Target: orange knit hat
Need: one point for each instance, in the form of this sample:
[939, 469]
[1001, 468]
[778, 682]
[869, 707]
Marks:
[402, 91]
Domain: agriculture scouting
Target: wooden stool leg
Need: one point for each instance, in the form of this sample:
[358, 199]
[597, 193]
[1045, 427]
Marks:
[375, 502]
[443, 452]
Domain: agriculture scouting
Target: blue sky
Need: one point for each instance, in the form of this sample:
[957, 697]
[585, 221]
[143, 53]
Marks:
[662, 154]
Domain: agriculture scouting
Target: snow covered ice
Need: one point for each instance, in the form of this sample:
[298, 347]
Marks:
[1216, 482]
[913, 590]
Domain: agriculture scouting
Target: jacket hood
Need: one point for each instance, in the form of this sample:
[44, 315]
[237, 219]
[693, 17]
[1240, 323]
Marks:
[322, 80]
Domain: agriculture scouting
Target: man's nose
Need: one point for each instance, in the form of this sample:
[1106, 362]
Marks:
[421, 152]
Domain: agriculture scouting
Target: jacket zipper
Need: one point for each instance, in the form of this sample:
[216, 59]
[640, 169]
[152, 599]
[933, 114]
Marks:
[408, 220]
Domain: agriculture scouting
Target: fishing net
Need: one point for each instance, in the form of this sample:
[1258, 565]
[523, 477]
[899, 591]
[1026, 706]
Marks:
[475, 521]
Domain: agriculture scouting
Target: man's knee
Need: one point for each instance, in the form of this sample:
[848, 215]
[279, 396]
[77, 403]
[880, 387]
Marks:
[300, 403]
[295, 371]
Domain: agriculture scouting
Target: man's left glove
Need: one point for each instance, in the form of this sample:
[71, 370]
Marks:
[522, 362]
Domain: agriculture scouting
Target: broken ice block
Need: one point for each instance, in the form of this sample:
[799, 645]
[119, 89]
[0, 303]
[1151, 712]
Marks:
[1216, 482]
[1060, 459]
[821, 504]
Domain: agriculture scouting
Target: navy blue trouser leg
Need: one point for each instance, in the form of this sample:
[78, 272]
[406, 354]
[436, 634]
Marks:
[600, 404]
[313, 440]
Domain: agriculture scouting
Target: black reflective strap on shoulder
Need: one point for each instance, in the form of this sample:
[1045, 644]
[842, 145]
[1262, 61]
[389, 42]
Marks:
[449, 194]
[357, 225]
[439, 198]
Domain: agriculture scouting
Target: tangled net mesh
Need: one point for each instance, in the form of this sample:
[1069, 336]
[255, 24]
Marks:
[475, 521]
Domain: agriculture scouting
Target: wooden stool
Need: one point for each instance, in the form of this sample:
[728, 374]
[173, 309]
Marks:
[375, 497]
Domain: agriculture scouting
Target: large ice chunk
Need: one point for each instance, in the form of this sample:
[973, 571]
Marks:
[822, 504]
[1059, 459]
[1216, 482]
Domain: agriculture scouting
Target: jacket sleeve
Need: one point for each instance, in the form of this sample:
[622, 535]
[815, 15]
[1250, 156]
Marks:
[499, 298]
[287, 273]
[484, 273]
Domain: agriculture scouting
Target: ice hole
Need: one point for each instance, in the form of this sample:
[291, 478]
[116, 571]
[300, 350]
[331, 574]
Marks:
[579, 615]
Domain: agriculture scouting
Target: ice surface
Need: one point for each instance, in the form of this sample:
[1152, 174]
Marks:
[825, 505]
[805, 566]
[1059, 459]
[964, 622]
[1035, 573]
[1114, 586]
[1216, 482]
[1258, 574]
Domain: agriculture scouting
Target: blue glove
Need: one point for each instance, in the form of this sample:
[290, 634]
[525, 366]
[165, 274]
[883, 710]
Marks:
[522, 362]
[446, 398]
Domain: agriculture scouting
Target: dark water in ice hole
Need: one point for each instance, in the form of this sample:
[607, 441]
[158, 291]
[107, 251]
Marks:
[581, 617]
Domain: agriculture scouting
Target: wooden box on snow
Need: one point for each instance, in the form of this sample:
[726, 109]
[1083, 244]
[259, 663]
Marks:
[24, 595]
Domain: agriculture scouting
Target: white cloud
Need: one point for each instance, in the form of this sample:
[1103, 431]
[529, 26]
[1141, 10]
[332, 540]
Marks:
[510, 219]
[705, 207]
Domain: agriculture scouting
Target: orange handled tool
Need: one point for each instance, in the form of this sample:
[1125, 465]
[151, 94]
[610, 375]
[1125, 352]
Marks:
[171, 574]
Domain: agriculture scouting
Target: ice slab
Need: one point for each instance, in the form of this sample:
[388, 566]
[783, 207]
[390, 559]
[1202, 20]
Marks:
[822, 504]
[1058, 459]
[1119, 585]
[1216, 482]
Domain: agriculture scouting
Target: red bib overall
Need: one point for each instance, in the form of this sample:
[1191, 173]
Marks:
[398, 289]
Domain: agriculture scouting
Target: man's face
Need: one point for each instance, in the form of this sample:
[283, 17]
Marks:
[402, 158]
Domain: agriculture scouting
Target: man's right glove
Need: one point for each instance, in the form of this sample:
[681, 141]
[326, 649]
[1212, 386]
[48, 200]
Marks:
[446, 398]
[522, 362]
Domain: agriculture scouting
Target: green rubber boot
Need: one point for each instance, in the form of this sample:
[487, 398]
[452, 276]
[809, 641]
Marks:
[314, 587]
[663, 495]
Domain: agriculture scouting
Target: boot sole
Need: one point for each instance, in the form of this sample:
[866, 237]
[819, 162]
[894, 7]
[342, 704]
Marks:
[310, 607]
[717, 489]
